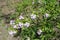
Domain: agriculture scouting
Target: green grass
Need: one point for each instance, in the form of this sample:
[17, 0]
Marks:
[47, 25]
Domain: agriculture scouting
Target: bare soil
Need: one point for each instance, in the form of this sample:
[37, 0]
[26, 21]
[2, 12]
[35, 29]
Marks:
[6, 7]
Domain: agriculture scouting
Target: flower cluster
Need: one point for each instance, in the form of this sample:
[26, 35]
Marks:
[26, 24]
[21, 24]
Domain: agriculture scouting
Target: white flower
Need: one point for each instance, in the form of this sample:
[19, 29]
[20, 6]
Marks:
[39, 32]
[27, 24]
[12, 22]
[33, 2]
[28, 38]
[33, 16]
[39, 1]
[46, 15]
[15, 26]
[12, 32]
[20, 25]
[21, 17]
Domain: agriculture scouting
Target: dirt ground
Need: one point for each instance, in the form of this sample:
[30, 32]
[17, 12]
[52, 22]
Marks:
[4, 32]
[6, 7]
